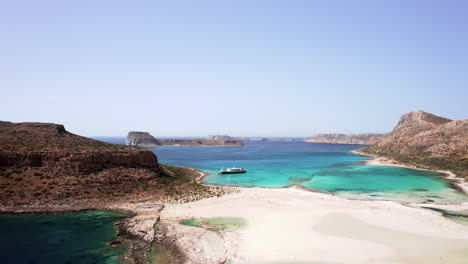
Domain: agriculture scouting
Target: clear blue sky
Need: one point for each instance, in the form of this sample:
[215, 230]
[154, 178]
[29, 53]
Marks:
[267, 68]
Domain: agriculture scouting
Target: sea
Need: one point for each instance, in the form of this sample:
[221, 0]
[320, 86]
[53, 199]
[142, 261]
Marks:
[327, 168]
[78, 238]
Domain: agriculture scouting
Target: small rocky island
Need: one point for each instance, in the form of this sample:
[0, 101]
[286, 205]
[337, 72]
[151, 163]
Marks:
[361, 139]
[145, 139]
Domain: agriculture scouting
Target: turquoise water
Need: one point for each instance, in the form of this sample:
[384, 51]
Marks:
[327, 168]
[67, 238]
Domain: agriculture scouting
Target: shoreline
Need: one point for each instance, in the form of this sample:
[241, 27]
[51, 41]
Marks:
[376, 160]
[455, 183]
[279, 219]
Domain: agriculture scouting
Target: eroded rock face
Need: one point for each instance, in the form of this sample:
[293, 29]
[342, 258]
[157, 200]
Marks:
[362, 139]
[41, 161]
[426, 139]
[51, 146]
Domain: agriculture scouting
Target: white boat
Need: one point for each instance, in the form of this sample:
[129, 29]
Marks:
[232, 171]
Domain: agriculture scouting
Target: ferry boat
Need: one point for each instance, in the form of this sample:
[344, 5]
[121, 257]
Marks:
[232, 171]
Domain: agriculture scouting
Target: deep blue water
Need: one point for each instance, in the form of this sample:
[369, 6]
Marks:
[55, 239]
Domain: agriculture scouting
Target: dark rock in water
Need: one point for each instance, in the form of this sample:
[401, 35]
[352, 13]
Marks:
[296, 180]
[419, 190]
[114, 243]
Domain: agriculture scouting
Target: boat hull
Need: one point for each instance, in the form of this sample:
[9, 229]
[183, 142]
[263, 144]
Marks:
[231, 172]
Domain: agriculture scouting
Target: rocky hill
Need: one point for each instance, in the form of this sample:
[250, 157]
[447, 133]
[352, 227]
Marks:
[144, 139]
[362, 139]
[44, 161]
[426, 140]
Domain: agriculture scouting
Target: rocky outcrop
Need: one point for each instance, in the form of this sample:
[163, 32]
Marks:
[144, 139]
[200, 246]
[424, 139]
[51, 146]
[361, 139]
[44, 161]
[141, 139]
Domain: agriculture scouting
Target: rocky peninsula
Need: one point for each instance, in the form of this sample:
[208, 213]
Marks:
[145, 139]
[360, 139]
[427, 141]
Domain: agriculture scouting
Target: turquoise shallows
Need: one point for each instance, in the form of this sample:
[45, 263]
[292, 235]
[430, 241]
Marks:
[327, 168]
[66, 238]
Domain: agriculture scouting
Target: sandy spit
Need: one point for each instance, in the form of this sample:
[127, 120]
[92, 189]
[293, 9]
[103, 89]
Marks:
[296, 226]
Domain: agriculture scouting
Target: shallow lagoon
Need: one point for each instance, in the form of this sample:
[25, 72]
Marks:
[327, 168]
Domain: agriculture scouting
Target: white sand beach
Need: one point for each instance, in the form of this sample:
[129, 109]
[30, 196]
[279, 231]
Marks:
[296, 226]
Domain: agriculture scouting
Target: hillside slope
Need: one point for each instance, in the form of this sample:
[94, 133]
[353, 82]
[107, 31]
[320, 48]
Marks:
[42, 161]
[426, 140]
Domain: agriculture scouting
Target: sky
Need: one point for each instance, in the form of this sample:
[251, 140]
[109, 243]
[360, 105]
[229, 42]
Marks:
[242, 68]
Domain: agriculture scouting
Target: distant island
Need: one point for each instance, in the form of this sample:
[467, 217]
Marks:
[145, 139]
[361, 139]
[226, 137]
[426, 140]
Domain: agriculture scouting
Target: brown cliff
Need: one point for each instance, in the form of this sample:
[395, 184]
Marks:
[44, 161]
[426, 140]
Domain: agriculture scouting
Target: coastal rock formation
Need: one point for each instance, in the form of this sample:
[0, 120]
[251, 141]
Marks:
[44, 161]
[427, 140]
[141, 139]
[51, 146]
[144, 139]
[361, 139]
[198, 245]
